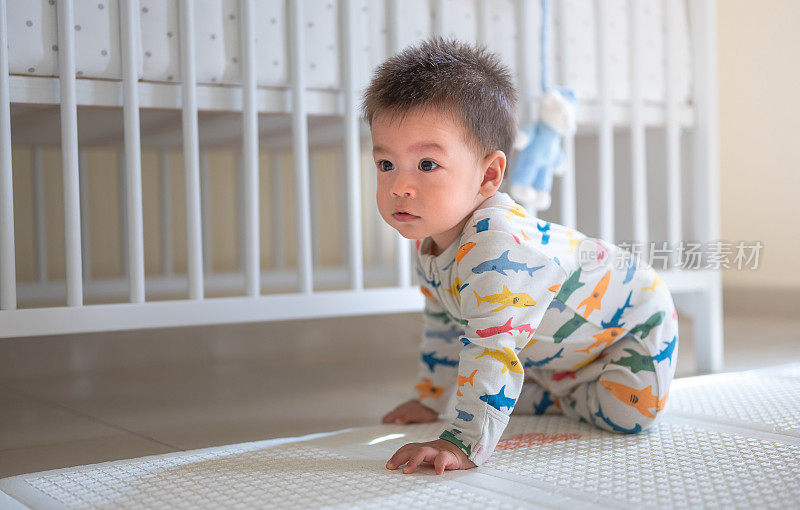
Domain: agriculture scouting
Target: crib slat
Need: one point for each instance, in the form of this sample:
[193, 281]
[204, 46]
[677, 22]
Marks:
[403, 245]
[69, 152]
[606, 129]
[673, 70]
[8, 279]
[277, 213]
[300, 145]
[527, 52]
[567, 184]
[39, 214]
[438, 18]
[638, 146]
[205, 228]
[166, 212]
[133, 150]
[122, 200]
[191, 149]
[484, 13]
[352, 148]
[252, 264]
[83, 175]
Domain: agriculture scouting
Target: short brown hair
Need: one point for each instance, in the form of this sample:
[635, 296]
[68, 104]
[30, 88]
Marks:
[466, 81]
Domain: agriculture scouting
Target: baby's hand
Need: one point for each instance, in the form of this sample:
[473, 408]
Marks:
[440, 453]
[411, 412]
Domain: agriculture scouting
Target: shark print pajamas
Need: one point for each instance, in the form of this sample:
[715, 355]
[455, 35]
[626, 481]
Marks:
[529, 317]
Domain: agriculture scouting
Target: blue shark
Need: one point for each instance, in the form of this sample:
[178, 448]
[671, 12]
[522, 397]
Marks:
[530, 363]
[499, 399]
[614, 322]
[557, 304]
[448, 336]
[502, 264]
[545, 230]
[631, 270]
[431, 360]
[463, 415]
[482, 225]
[448, 265]
[557, 261]
[599, 414]
[432, 283]
[542, 406]
[464, 341]
[667, 352]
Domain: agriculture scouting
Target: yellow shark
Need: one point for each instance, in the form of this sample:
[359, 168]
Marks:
[506, 299]
[656, 282]
[524, 235]
[454, 290]
[573, 241]
[592, 301]
[507, 357]
[604, 338]
[515, 210]
[464, 380]
[642, 399]
[463, 250]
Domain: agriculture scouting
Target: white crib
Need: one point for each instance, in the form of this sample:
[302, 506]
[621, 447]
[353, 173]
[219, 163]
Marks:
[265, 78]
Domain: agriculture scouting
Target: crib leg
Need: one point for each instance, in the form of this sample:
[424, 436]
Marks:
[708, 334]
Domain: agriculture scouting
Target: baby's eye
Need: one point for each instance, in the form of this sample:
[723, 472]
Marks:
[426, 165]
[385, 166]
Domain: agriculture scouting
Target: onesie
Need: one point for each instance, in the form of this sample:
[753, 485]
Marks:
[528, 316]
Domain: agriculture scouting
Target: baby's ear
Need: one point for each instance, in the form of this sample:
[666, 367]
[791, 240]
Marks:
[494, 166]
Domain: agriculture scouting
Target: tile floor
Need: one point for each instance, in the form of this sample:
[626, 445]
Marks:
[79, 399]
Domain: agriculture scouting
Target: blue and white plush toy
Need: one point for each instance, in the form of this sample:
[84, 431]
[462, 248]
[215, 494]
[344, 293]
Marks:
[541, 154]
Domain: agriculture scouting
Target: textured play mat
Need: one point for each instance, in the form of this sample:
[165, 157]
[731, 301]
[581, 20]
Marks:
[728, 440]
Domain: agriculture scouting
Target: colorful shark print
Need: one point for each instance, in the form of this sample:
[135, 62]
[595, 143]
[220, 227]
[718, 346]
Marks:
[445, 268]
[514, 210]
[448, 336]
[502, 264]
[426, 293]
[572, 284]
[557, 304]
[457, 288]
[442, 316]
[656, 282]
[464, 341]
[637, 428]
[463, 415]
[666, 354]
[452, 436]
[645, 327]
[432, 283]
[642, 400]
[592, 302]
[545, 230]
[482, 225]
[588, 360]
[557, 376]
[569, 328]
[506, 299]
[631, 269]
[573, 241]
[464, 380]
[604, 338]
[463, 250]
[636, 362]
[618, 314]
[507, 357]
[524, 235]
[427, 389]
[429, 359]
[499, 399]
[506, 328]
[542, 406]
[530, 363]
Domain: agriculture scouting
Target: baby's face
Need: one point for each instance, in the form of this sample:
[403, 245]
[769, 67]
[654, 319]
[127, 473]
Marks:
[429, 179]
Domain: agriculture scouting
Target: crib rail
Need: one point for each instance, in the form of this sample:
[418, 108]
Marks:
[299, 101]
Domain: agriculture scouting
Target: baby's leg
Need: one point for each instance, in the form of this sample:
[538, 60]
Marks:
[534, 399]
[626, 388]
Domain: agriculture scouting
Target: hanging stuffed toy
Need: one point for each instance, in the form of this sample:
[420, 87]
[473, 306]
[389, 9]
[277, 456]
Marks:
[539, 145]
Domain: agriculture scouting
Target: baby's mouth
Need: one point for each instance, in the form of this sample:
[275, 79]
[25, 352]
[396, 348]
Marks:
[404, 216]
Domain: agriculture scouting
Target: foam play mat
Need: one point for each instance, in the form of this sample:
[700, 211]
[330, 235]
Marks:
[728, 440]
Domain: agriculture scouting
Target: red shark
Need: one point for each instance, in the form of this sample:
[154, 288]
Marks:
[496, 330]
[557, 376]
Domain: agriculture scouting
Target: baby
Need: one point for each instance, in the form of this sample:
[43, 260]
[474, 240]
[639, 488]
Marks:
[522, 315]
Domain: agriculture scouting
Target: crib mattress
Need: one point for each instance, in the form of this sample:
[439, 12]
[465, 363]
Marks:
[725, 440]
[33, 41]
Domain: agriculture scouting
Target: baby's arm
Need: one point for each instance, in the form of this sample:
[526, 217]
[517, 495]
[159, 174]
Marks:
[438, 368]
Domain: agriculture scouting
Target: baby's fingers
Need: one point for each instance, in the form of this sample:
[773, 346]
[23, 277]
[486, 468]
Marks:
[442, 461]
[416, 460]
[400, 456]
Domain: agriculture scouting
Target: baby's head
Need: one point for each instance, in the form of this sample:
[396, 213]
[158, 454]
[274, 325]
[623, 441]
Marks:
[443, 118]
